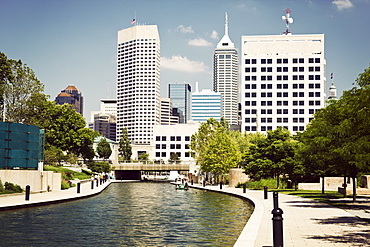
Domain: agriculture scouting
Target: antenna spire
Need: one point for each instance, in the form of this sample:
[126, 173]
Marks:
[288, 20]
[226, 25]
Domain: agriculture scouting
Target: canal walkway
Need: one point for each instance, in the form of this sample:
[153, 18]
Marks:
[12, 201]
[305, 222]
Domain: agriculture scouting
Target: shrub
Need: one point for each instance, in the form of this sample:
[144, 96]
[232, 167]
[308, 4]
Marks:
[2, 189]
[14, 188]
[259, 184]
[65, 184]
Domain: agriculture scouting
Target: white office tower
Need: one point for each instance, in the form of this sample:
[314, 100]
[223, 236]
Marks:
[206, 104]
[283, 81]
[138, 82]
[226, 76]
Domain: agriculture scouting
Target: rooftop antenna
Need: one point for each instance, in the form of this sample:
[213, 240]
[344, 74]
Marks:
[226, 25]
[288, 20]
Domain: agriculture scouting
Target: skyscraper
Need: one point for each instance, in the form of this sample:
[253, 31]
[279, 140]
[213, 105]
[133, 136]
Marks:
[226, 76]
[138, 82]
[180, 95]
[71, 95]
[283, 81]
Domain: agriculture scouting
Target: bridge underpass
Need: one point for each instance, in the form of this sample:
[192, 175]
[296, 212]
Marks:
[132, 171]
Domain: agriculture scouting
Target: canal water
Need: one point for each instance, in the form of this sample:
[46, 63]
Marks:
[130, 214]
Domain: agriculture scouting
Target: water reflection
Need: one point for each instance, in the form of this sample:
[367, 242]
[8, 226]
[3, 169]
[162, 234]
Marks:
[130, 214]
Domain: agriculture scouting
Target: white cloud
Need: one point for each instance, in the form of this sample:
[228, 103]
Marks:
[214, 35]
[199, 42]
[184, 64]
[343, 4]
[183, 29]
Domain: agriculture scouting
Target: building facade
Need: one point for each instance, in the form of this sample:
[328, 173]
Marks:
[226, 76]
[167, 117]
[206, 104]
[283, 81]
[174, 139]
[105, 120]
[138, 82]
[180, 95]
[71, 95]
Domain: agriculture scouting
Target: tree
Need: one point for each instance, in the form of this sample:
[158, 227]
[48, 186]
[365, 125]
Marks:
[200, 140]
[125, 148]
[18, 87]
[174, 157]
[143, 157]
[272, 156]
[221, 155]
[99, 167]
[103, 149]
[340, 133]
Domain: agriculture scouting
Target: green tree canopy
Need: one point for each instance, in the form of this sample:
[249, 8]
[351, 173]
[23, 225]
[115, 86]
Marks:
[103, 149]
[19, 88]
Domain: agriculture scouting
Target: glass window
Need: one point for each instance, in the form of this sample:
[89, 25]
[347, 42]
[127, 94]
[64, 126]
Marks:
[172, 138]
[157, 138]
[187, 138]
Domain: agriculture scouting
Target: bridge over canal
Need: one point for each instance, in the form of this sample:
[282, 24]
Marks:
[132, 171]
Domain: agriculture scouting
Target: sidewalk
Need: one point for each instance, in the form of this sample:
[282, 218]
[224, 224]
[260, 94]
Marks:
[36, 199]
[305, 222]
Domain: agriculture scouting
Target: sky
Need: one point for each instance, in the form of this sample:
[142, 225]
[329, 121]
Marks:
[74, 42]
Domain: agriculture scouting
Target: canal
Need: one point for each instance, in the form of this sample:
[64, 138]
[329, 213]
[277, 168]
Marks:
[130, 214]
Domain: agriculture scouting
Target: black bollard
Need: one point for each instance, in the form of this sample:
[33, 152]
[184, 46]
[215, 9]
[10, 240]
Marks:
[265, 192]
[78, 187]
[277, 227]
[92, 184]
[97, 182]
[192, 182]
[276, 199]
[204, 183]
[244, 188]
[220, 185]
[101, 181]
[28, 189]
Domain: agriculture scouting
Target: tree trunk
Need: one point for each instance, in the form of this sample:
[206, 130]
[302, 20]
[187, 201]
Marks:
[354, 188]
[345, 186]
[323, 185]
[277, 182]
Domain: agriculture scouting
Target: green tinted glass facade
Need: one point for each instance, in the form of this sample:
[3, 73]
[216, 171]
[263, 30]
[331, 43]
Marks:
[21, 146]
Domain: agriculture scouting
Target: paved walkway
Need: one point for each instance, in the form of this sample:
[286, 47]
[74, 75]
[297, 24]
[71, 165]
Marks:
[306, 222]
[18, 201]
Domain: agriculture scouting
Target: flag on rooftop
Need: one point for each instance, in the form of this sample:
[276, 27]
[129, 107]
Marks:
[133, 21]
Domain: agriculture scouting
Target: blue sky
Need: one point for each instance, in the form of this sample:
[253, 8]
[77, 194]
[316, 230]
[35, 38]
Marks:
[73, 42]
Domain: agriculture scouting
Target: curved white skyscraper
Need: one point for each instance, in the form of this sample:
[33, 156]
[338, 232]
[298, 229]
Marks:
[138, 82]
[226, 76]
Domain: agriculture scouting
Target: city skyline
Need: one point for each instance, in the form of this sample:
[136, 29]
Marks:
[74, 42]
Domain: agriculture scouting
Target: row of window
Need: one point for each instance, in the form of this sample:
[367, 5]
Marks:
[164, 154]
[282, 77]
[278, 120]
[282, 94]
[282, 60]
[172, 138]
[279, 103]
[172, 146]
[279, 111]
[282, 69]
[265, 128]
[283, 86]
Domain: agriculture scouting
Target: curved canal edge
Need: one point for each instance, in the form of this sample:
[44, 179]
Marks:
[249, 233]
[45, 198]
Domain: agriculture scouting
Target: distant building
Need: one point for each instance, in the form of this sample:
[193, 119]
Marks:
[226, 76]
[180, 95]
[105, 120]
[167, 118]
[333, 91]
[206, 104]
[71, 95]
